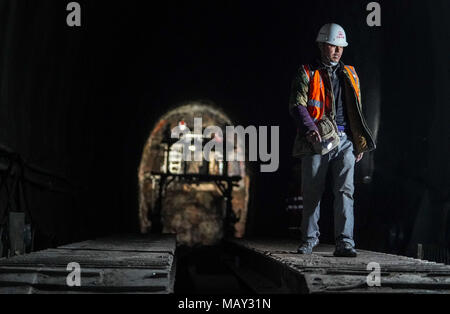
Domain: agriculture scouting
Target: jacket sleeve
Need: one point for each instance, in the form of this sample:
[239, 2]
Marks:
[298, 103]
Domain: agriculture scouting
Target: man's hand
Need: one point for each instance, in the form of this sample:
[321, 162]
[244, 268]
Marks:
[313, 137]
[359, 157]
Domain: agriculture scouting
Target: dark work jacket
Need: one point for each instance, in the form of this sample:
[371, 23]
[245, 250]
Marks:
[360, 133]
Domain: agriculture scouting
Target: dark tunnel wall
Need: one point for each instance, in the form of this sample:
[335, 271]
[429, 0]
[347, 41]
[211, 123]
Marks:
[81, 102]
[412, 169]
[59, 111]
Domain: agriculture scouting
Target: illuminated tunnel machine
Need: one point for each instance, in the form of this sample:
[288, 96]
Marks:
[199, 201]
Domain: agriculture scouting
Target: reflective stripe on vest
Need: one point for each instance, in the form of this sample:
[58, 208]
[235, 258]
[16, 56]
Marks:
[355, 80]
[318, 101]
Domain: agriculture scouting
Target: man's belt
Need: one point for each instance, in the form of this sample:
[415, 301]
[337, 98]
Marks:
[341, 131]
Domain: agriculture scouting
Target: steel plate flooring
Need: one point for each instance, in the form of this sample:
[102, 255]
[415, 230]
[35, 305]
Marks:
[273, 266]
[119, 264]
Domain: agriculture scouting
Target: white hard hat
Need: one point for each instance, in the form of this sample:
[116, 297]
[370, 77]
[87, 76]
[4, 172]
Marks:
[332, 34]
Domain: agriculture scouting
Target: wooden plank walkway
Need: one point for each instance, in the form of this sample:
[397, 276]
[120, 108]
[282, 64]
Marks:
[120, 264]
[273, 266]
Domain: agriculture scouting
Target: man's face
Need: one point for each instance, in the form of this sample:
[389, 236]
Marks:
[332, 53]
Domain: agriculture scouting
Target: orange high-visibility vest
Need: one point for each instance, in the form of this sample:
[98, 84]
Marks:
[319, 101]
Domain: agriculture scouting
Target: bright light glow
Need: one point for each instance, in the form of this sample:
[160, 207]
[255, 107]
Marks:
[182, 125]
[193, 135]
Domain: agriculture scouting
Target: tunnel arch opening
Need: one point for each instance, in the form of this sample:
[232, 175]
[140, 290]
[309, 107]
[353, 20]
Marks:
[194, 211]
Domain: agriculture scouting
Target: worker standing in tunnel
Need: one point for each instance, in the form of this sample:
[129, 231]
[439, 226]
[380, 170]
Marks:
[332, 136]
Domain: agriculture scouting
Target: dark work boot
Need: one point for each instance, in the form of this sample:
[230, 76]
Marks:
[345, 249]
[307, 247]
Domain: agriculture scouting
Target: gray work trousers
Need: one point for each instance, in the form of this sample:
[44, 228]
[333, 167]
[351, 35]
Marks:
[314, 171]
